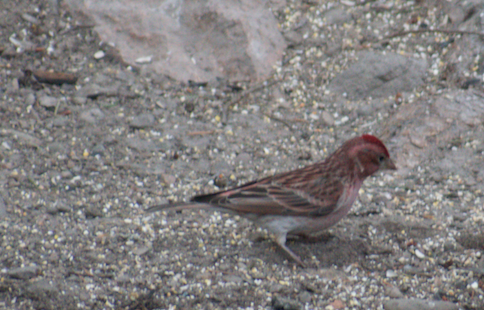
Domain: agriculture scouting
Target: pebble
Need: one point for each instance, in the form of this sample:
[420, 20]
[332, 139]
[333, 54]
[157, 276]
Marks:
[93, 115]
[412, 270]
[391, 274]
[57, 207]
[144, 60]
[30, 18]
[6, 146]
[338, 304]
[475, 285]
[80, 100]
[98, 149]
[66, 174]
[281, 303]
[419, 254]
[48, 101]
[168, 178]
[23, 273]
[327, 118]
[99, 55]
[337, 16]
[232, 279]
[3, 207]
[141, 250]
[93, 212]
[60, 121]
[30, 99]
[41, 289]
[141, 145]
[23, 138]
[305, 297]
[393, 292]
[142, 121]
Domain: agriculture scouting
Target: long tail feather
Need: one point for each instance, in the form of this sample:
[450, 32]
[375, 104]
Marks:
[178, 206]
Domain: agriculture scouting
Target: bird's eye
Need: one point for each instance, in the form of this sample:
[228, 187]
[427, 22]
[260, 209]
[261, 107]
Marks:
[381, 159]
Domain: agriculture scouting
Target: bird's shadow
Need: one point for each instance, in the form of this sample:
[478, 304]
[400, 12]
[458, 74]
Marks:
[321, 251]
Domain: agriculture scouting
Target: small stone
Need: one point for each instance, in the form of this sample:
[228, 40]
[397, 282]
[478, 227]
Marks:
[451, 246]
[80, 100]
[23, 137]
[305, 297]
[419, 254]
[474, 285]
[189, 107]
[280, 303]
[93, 115]
[5, 145]
[99, 55]
[337, 16]
[93, 212]
[99, 149]
[123, 278]
[42, 289]
[58, 207]
[168, 179]
[393, 292]
[293, 38]
[48, 101]
[327, 118]
[418, 141]
[232, 279]
[30, 99]
[141, 250]
[144, 60]
[141, 145]
[391, 274]
[412, 270]
[3, 207]
[14, 87]
[142, 121]
[23, 273]
[29, 18]
[338, 304]
[66, 174]
[60, 121]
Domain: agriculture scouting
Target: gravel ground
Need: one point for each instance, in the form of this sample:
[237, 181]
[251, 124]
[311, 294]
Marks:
[79, 164]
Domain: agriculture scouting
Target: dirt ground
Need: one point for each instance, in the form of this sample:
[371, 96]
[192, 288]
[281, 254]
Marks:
[79, 164]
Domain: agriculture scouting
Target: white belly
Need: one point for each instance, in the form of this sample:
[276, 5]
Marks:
[278, 224]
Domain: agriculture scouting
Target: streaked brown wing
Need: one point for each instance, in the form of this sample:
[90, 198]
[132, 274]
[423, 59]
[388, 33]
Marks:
[300, 177]
[275, 199]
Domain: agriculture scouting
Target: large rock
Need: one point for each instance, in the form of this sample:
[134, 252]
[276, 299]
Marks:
[418, 304]
[443, 134]
[197, 40]
[379, 75]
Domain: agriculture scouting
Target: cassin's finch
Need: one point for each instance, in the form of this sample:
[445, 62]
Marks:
[303, 201]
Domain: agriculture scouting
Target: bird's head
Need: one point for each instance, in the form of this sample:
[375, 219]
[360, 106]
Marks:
[369, 155]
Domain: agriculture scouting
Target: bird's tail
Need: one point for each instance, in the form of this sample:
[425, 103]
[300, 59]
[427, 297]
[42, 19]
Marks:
[178, 206]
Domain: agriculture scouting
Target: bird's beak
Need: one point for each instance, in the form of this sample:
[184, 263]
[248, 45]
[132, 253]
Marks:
[389, 165]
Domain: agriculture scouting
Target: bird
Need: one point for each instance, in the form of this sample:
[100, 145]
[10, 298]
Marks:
[304, 201]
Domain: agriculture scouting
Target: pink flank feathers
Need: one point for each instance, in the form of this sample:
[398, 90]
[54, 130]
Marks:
[305, 200]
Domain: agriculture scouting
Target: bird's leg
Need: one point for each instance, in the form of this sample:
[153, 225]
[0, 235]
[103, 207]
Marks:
[281, 241]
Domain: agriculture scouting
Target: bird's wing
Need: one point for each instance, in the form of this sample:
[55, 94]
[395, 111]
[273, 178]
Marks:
[276, 199]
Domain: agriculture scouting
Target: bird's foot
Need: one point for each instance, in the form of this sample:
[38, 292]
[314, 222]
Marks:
[281, 241]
